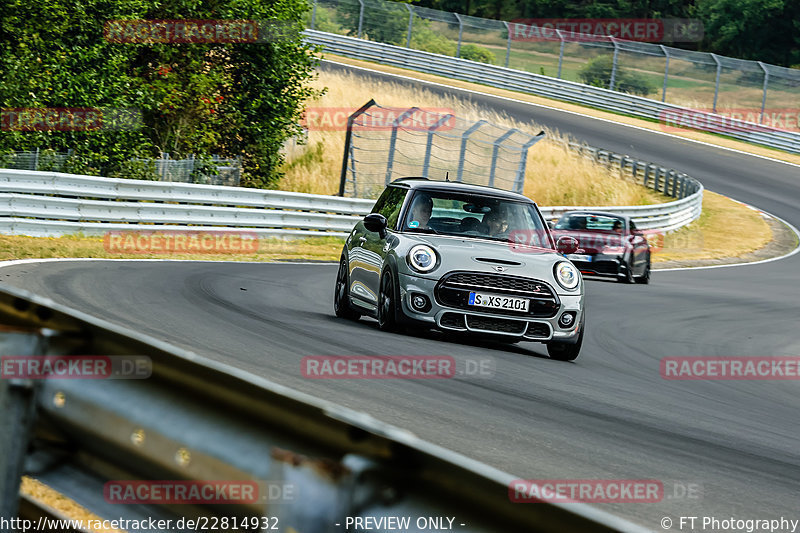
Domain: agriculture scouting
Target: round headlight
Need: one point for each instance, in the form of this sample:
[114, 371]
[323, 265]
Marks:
[422, 258]
[567, 275]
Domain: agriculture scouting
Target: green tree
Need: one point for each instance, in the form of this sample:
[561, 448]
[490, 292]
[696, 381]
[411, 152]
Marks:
[762, 30]
[230, 99]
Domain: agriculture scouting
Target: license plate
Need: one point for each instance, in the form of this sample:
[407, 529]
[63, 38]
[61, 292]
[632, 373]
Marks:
[508, 303]
[579, 257]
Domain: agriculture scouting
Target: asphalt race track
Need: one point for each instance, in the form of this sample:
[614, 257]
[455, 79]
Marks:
[609, 415]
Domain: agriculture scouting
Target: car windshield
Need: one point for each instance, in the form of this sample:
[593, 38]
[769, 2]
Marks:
[475, 216]
[589, 222]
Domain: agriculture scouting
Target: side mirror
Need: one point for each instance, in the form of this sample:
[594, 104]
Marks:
[551, 224]
[376, 223]
[567, 245]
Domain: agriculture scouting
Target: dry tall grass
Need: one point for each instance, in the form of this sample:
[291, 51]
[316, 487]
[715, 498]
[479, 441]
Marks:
[554, 175]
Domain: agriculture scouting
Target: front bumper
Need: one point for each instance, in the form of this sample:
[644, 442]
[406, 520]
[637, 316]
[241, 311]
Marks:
[476, 322]
[602, 265]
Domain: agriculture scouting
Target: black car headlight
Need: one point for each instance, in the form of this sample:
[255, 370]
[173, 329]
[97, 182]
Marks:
[566, 275]
[421, 258]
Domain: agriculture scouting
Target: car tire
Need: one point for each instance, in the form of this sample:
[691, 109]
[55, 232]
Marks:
[644, 279]
[341, 295]
[628, 276]
[387, 303]
[565, 351]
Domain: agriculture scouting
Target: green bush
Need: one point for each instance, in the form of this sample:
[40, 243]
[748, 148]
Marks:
[426, 39]
[473, 52]
[597, 73]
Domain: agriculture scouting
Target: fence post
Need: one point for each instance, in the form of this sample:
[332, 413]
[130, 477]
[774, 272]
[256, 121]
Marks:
[666, 73]
[614, 65]
[519, 182]
[429, 143]
[410, 25]
[348, 137]
[560, 53]
[508, 44]
[462, 154]
[393, 141]
[716, 84]
[314, 14]
[496, 150]
[460, 32]
[360, 17]
[164, 166]
[764, 96]
[36, 160]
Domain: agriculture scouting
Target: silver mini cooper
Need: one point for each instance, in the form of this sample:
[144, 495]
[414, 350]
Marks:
[462, 258]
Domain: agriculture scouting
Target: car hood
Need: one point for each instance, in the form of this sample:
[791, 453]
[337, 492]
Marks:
[458, 253]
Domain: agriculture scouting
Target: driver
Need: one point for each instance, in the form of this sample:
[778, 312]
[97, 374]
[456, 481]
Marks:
[496, 222]
[420, 212]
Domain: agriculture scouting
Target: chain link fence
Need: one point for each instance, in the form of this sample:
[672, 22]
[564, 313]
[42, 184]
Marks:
[211, 171]
[753, 90]
[386, 143]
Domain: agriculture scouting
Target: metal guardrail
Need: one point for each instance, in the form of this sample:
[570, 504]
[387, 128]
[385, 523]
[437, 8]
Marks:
[527, 82]
[52, 204]
[196, 419]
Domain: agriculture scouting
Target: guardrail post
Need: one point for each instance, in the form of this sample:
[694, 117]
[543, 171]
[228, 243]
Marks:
[508, 43]
[314, 14]
[17, 414]
[764, 96]
[462, 154]
[519, 182]
[429, 143]
[393, 141]
[614, 65]
[460, 33]
[560, 53]
[716, 84]
[495, 150]
[360, 17]
[666, 73]
[348, 138]
[410, 25]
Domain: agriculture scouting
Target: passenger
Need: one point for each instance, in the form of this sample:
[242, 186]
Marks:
[420, 213]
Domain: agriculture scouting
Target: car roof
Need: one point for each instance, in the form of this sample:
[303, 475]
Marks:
[419, 183]
[597, 213]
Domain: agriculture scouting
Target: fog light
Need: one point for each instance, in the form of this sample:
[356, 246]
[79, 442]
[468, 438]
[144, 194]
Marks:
[567, 319]
[420, 302]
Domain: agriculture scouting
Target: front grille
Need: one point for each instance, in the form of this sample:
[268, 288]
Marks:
[538, 330]
[500, 325]
[452, 320]
[504, 284]
[454, 288]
